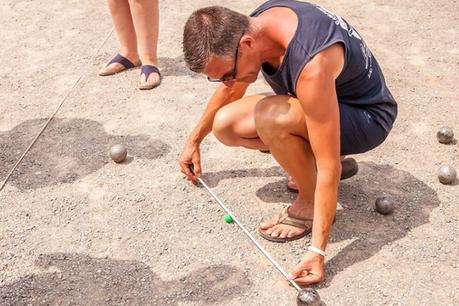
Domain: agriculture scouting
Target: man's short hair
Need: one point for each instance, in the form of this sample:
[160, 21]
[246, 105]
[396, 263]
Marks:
[213, 30]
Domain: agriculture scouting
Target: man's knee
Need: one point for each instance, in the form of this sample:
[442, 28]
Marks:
[223, 127]
[272, 117]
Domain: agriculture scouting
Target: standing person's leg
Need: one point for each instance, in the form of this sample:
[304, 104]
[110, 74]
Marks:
[124, 28]
[145, 14]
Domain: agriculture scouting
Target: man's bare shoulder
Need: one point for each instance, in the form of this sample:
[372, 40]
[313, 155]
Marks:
[282, 22]
[327, 63]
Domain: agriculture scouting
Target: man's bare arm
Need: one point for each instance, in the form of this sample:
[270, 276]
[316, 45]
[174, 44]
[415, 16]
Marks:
[222, 96]
[190, 153]
[317, 93]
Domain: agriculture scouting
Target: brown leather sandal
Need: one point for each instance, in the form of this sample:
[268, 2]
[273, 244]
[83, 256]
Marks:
[285, 218]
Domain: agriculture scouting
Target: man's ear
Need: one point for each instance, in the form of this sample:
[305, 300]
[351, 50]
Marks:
[247, 41]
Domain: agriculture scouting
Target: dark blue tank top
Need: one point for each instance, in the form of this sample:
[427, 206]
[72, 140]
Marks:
[361, 82]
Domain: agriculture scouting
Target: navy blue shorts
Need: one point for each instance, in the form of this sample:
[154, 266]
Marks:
[360, 132]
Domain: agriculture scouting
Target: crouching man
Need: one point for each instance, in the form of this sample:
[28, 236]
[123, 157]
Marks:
[329, 100]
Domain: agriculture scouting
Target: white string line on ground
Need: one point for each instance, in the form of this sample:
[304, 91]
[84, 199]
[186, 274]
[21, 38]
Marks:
[55, 112]
[255, 242]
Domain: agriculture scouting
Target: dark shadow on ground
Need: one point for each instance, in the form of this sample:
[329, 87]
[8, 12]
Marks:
[357, 220]
[414, 202]
[276, 192]
[213, 178]
[175, 67]
[67, 150]
[84, 280]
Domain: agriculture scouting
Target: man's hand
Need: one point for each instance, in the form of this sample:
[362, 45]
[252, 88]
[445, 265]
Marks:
[190, 153]
[310, 270]
[190, 156]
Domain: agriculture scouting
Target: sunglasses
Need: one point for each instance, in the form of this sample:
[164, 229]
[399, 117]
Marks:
[232, 75]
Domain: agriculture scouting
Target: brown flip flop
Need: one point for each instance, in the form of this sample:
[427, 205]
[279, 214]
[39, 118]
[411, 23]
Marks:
[284, 218]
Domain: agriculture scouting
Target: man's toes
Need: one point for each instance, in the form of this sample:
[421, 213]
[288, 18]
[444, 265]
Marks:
[276, 232]
[265, 225]
[270, 230]
[284, 233]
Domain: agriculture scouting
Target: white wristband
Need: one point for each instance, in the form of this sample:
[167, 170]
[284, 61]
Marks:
[316, 250]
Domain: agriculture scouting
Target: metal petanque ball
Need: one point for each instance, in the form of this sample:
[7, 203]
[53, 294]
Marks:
[445, 135]
[308, 297]
[384, 205]
[118, 153]
[446, 174]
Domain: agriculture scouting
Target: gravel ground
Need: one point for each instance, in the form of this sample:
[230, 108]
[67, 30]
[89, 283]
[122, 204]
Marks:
[78, 229]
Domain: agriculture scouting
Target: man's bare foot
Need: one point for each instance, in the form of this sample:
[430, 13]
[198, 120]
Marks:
[119, 63]
[301, 213]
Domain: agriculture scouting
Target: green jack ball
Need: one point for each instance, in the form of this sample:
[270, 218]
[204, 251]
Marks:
[228, 219]
[118, 153]
[445, 135]
[446, 174]
[384, 205]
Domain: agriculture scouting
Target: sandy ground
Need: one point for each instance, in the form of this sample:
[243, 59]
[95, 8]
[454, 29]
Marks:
[77, 229]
